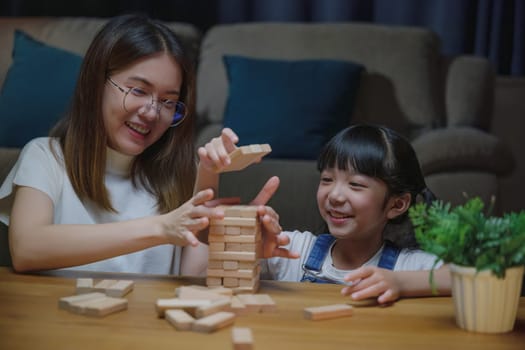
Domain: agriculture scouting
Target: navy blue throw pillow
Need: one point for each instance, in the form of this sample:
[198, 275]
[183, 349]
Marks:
[295, 106]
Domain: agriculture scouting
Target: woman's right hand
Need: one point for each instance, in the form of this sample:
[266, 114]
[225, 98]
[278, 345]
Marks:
[182, 225]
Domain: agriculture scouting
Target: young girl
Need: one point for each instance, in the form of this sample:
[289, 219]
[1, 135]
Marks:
[116, 187]
[370, 176]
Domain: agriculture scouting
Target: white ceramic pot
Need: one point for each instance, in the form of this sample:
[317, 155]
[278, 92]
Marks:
[483, 302]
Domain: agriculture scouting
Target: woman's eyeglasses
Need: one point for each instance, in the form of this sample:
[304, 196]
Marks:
[136, 97]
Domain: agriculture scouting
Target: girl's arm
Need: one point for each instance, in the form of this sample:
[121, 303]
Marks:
[36, 243]
[388, 286]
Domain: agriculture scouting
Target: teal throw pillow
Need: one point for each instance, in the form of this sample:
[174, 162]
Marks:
[37, 90]
[295, 106]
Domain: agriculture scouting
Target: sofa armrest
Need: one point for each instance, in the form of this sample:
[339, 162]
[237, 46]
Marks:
[462, 149]
[469, 92]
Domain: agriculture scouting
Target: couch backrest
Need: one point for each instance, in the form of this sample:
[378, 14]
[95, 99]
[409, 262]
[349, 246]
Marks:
[71, 34]
[402, 87]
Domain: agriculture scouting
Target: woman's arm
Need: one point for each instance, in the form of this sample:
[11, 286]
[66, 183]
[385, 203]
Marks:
[36, 243]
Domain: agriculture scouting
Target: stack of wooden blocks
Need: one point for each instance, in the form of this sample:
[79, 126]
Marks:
[235, 247]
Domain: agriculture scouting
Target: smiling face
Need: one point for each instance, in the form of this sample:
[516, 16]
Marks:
[353, 205]
[130, 131]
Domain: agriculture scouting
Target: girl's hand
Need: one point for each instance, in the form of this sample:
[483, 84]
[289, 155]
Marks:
[215, 154]
[371, 281]
[182, 224]
[271, 229]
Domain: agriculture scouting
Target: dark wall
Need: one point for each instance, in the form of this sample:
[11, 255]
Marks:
[201, 13]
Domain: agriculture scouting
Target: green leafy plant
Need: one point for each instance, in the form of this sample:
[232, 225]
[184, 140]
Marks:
[465, 235]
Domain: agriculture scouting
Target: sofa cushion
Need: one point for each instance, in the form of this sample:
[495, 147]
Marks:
[36, 91]
[295, 106]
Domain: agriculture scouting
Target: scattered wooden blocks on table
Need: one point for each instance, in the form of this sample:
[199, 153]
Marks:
[327, 312]
[246, 155]
[242, 338]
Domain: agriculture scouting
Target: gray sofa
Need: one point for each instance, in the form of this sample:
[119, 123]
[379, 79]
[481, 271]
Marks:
[443, 105]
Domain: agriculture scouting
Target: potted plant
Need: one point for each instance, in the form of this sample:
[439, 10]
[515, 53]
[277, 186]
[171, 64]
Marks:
[486, 255]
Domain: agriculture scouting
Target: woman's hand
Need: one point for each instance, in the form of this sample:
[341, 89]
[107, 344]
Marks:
[182, 225]
[371, 281]
[215, 154]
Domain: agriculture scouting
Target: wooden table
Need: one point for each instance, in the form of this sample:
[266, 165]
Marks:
[31, 319]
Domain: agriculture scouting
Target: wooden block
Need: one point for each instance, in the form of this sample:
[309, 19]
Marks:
[213, 322]
[232, 230]
[244, 290]
[188, 305]
[242, 238]
[229, 265]
[188, 292]
[242, 338]
[230, 282]
[217, 230]
[243, 156]
[246, 274]
[235, 221]
[215, 264]
[231, 210]
[119, 289]
[105, 306]
[249, 282]
[216, 306]
[237, 306]
[221, 290]
[266, 302]
[247, 247]
[247, 265]
[214, 281]
[248, 211]
[180, 319]
[103, 285]
[216, 246]
[250, 231]
[214, 272]
[239, 256]
[213, 289]
[327, 312]
[66, 302]
[84, 285]
[251, 302]
[232, 247]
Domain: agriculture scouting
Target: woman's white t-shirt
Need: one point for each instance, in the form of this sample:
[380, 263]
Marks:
[283, 269]
[38, 168]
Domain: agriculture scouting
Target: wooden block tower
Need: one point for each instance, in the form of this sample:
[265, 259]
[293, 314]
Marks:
[235, 247]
